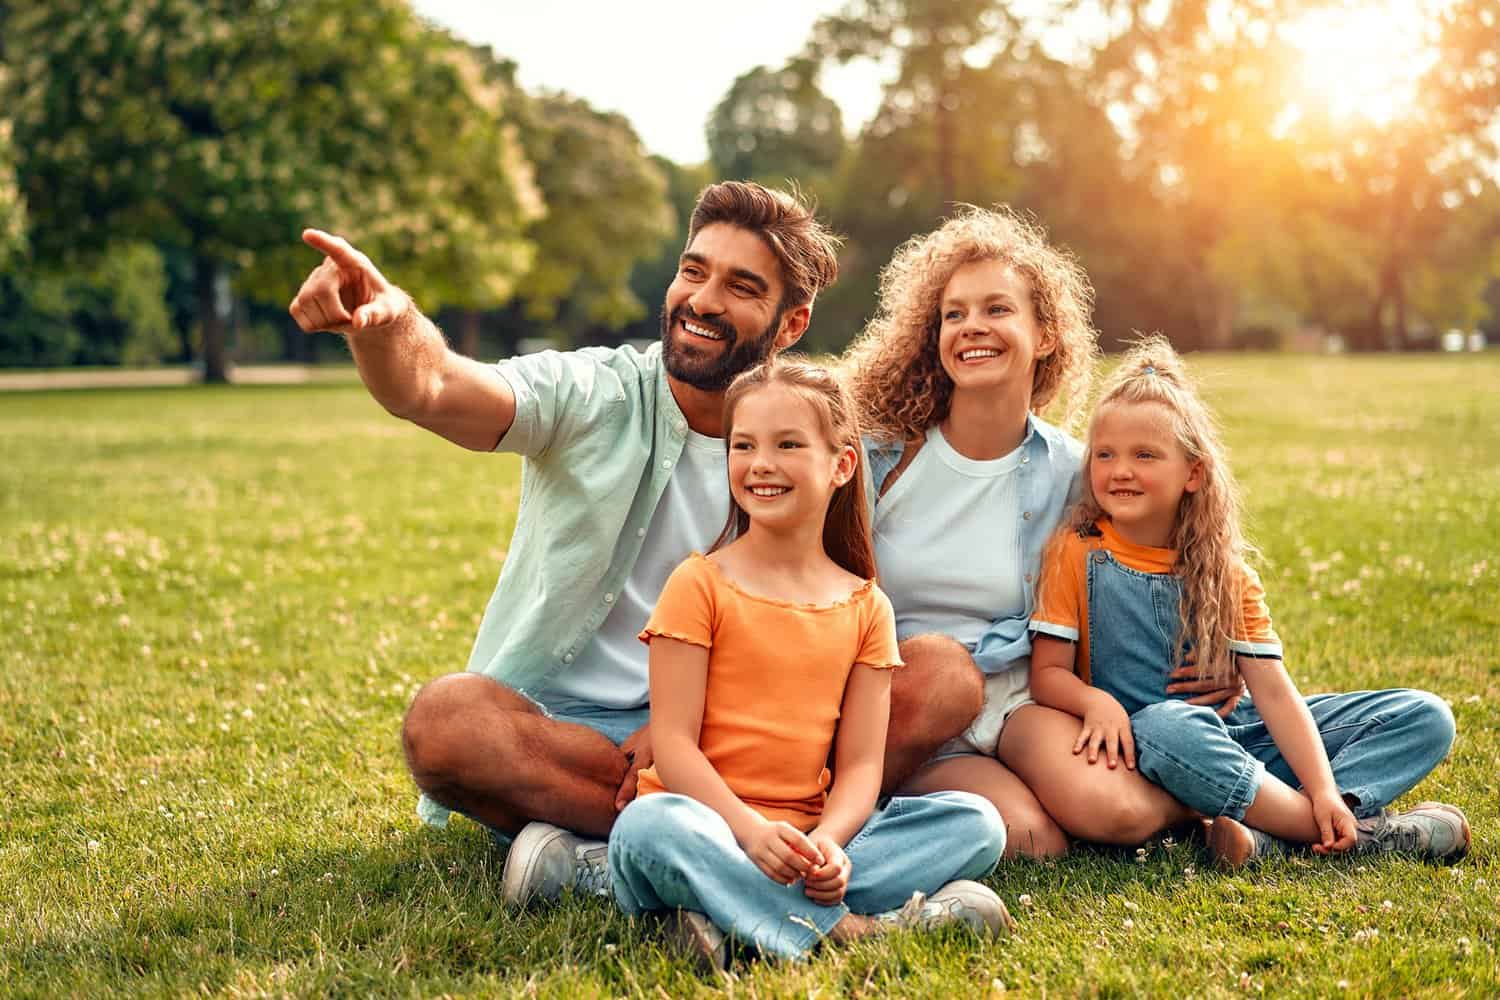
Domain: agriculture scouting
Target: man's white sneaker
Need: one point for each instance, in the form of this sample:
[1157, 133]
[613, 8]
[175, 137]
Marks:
[961, 902]
[545, 859]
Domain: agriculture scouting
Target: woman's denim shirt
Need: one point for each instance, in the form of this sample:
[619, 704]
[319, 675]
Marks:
[1049, 470]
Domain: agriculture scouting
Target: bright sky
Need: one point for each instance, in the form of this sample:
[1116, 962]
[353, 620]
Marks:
[664, 64]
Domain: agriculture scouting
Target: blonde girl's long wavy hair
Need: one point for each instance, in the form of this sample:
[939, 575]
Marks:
[893, 367]
[1211, 547]
[846, 530]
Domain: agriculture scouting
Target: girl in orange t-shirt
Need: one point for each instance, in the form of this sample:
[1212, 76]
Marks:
[766, 654]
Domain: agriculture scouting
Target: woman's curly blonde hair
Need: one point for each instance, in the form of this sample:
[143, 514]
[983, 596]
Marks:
[893, 368]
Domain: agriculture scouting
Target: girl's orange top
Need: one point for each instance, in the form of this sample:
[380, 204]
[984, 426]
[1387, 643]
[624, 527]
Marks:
[776, 675]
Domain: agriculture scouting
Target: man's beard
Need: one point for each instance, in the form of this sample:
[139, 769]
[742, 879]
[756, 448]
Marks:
[713, 375]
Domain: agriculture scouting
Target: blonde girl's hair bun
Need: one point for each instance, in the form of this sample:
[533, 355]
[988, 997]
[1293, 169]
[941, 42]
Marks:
[1150, 356]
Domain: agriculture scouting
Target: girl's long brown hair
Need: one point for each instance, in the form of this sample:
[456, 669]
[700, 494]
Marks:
[846, 530]
[1212, 551]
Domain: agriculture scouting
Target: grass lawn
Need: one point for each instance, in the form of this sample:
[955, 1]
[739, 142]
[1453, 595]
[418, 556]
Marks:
[217, 603]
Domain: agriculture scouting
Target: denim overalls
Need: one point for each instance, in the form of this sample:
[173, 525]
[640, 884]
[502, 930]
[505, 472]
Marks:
[1380, 743]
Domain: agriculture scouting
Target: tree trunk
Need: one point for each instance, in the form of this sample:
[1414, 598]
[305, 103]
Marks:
[945, 152]
[211, 314]
[468, 333]
[1398, 294]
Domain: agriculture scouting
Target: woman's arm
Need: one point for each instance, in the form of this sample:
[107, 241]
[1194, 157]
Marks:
[679, 682]
[859, 753]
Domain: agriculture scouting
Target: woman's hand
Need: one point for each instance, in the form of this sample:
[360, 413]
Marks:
[827, 883]
[1106, 725]
[1336, 824]
[1185, 680]
[780, 850]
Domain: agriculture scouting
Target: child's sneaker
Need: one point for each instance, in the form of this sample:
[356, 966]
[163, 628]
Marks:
[545, 859]
[961, 901]
[695, 936]
[1434, 831]
[1235, 845]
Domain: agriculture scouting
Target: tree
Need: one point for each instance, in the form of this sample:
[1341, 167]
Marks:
[12, 206]
[1274, 201]
[225, 126]
[110, 313]
[775, 125]
[932, 41]
[607, 209]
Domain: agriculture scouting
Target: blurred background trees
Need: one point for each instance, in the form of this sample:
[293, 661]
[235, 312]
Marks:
[1214, 164]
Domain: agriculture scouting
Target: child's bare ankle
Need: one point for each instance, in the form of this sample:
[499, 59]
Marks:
[853, 927]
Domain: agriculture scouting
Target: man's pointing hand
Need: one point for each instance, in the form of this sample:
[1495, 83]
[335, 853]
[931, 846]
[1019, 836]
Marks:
[345, 293]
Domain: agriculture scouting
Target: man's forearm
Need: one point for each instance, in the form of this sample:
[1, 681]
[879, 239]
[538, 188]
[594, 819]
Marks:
[402, 362]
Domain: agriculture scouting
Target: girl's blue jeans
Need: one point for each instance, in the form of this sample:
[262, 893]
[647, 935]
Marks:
[669, 852]
[1380, 743]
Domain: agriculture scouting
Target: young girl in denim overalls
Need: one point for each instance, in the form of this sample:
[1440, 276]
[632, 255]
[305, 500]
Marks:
[1150, 572]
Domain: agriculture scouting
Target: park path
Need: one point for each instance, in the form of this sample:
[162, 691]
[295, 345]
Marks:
[128, 378]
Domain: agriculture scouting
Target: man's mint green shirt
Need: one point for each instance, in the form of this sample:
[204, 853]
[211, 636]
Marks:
[599, 433]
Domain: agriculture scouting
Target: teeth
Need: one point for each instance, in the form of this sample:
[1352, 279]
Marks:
[769, 491]
[701, 331]
[978, 352]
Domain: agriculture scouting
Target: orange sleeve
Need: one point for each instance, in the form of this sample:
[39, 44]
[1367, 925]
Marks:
[685, 609]
[1061, 595]
[1255, 636]
[878, 647]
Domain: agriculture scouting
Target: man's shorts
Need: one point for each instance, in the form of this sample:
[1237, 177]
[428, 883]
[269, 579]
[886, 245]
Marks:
[1003, 694]
[614, 724]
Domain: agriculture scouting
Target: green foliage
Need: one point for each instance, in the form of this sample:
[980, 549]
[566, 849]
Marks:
[107, 311]
[606, 209]
[225, 127]
[776, 124]
[12, 205]
[218, 604]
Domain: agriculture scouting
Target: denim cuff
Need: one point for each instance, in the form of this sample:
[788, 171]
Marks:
[810, 930]
[1245, 788]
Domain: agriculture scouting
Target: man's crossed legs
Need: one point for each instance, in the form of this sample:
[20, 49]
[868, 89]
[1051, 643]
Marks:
[489, 752]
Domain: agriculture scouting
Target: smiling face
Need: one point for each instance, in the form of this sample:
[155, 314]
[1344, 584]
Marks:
[1139, 472]
[989, 336]
[723, 312]
[782, 466]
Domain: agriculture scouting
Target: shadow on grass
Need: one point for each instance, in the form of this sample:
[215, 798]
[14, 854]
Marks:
[420, 911]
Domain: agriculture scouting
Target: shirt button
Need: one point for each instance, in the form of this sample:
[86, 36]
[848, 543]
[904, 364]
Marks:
[680, 426]
[1026, 516]
[568, 658]
[609, 598]
[1028, 577]
[1025, 459]
[1099, 557]
[640, 532]
[666, 463]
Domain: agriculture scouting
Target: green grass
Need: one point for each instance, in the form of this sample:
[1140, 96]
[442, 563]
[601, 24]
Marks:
[217, 602]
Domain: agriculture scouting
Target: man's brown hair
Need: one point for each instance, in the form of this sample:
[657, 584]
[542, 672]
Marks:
[806, 249]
